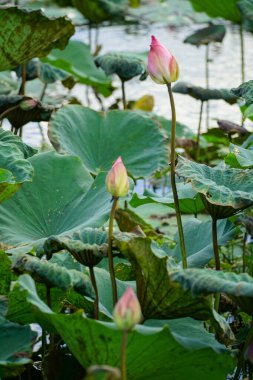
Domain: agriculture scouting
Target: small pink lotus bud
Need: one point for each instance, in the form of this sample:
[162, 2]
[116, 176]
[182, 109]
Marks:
[127, 311]
[162, 65]
[117, 182]
[28, 104]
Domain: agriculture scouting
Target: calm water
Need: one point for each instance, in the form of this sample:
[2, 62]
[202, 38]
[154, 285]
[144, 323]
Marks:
[225, 71]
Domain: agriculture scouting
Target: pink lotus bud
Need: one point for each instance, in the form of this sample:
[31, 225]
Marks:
[117, 182]
[162, 65]
[127, 312]
[28, 104]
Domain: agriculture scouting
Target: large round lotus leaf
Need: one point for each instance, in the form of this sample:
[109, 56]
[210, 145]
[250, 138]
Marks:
[97, 11]
[220, 186]
[14, 170]
[8, 137]
[61, 197]
[226, 9]
[212, 33]
[99, 139]
[126, 67]
[25, 34]
[204, 94]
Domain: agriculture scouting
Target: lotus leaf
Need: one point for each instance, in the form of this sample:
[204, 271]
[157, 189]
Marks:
[239, 157]
[62, 196]
[204, 94]
[31, 33]
[126, 67]
[52, 274]
[87, 245]
[244, 91]
[97, 11]
[15, 348]
[204, 36]
[137, 139]
[246, 9]
[18, 115]
[226, 9]
[77, 60]
[8, 137]
[205, 281]
[94, 342]
[231, 128]
[229, 189]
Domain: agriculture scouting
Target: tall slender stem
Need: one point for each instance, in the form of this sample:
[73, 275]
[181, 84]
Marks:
[123, 94]
[123, 355]
[110, 257]
[94, 284]
[173, 177]
[215, 244]
[207, 84]
[22, 87]
[199, 131]
[242, 53]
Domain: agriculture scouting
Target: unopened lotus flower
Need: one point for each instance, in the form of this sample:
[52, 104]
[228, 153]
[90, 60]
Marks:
[117, 182]
[28, 104]
[162, 65]
[127, 311]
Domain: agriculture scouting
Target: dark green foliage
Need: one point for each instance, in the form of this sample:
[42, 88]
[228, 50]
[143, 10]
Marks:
[204, 36]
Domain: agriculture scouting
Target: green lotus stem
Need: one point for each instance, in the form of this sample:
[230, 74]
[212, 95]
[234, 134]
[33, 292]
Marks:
[43, 91]
[199, 130]
[215, 244]
[244, 252]
[110, 256]
[94, 284]
[173, 177]
[207, 83]
[123, 355]
[123, 94]
[22, 87]
[242, 53]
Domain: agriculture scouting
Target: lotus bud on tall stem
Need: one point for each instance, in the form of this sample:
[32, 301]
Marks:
[126, 314]
[117, 184]
[163, 69]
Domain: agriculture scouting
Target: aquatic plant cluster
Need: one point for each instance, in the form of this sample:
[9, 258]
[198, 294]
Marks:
[98, 279]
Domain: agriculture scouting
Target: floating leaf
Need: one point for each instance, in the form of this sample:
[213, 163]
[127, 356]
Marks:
[158, 297]
[231, 189]
[204, 94]
[15, 348]
[61, 197]
[239, 157]
[101, 10]
[52, 274]
[77, 60]
[26, 34]
[205, 281]
[87, 245]
[94, 342]
[118, 133]
[204, 36]
[226, 9]
[244, 91]
[126, 67]
[200, 249]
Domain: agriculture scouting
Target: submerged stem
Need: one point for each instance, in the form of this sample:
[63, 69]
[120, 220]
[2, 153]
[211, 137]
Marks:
[173, 177]
[94, 284]
[123, 355]
[199, 131]
[110, 256]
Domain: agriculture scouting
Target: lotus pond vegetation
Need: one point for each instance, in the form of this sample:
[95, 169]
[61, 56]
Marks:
[126, 190]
